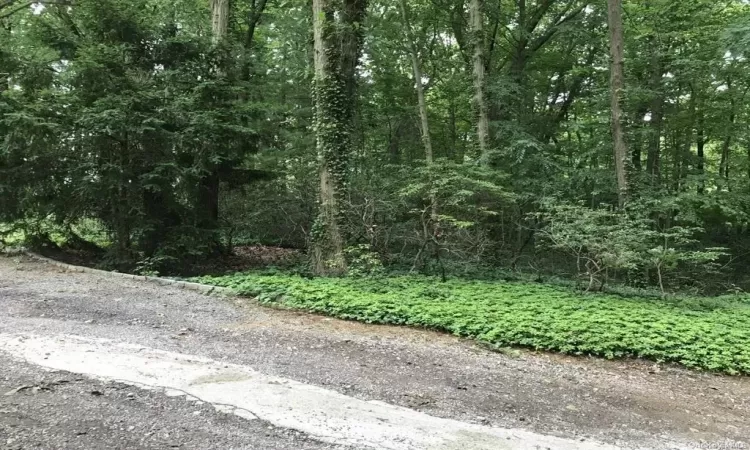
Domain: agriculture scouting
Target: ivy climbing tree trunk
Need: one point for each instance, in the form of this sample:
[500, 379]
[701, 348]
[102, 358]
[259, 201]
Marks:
[476, 19]
[617, 66]
[337, 32]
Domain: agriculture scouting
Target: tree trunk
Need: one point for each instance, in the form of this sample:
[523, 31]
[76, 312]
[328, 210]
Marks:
[454, 152]
[219, 20]
[677, 158]
[337, 41]
[637, 153]
[5, 30]
[424, 119]
[701, 144]
[476, 19]
[726, 146]
[209, 184]
[614, 10]
[419, 87]
[653, 165]
[701, 147]
[253, 19]
[657, 106]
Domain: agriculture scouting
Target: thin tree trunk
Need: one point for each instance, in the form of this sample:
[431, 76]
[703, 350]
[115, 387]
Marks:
[701, 147]
[337, 43]
[614, 10]
[417, 71]
[657, 107]
[653, 165]
[678, 160]
[453, 152]
[424, 119]
[4, 75]
[701, 144]
[253, 18]
[726, 146]
[256, 11]
[476, 19]
[637, 153]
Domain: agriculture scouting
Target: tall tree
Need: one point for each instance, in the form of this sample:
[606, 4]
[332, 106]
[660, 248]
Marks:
[421, 102]
[219, 20]
[338, 32]
[476, 20]
[210, 184]
[617, 84]
[418, 81]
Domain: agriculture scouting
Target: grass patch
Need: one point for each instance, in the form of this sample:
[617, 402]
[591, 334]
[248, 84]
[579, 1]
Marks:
[711, 335]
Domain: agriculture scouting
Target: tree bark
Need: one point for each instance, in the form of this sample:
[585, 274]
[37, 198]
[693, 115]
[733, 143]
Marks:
[476, 19]
[616, 40]
[253, 19]
[700, 133]
[219, 20]
[5, 33]
[727, 144]
[454, 153]
[209, 184]
[422, 103]
[337, 31]
[419, 87]
[637, 153]
[653, 163]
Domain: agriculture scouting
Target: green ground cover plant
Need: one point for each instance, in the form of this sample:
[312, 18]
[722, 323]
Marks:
[709, 334]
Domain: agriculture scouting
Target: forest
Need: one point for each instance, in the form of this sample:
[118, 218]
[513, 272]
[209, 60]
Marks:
[601, 143]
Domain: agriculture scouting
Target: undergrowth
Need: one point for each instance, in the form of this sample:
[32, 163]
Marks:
[710, 334]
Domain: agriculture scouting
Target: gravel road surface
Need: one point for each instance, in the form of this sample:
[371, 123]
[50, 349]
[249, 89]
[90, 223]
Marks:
[92, 362]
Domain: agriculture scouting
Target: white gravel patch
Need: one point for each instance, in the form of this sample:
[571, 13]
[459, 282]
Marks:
[324, 414]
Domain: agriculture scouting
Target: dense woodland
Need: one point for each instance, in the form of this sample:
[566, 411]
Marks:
[601, 140]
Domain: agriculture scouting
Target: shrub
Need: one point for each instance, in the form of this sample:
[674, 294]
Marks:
[605, 240]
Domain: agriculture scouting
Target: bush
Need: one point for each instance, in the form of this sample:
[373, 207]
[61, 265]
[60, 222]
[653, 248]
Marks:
[604, 240]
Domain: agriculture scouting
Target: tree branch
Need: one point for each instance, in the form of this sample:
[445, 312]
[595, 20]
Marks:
[252, 21]
[537, 16]
[26, 4]
[557, 23]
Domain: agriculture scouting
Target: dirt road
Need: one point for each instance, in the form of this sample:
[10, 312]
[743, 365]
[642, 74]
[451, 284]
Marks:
[90, 362]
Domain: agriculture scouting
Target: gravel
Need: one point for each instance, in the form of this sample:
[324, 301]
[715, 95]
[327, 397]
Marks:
[58, 410]
[626, 403]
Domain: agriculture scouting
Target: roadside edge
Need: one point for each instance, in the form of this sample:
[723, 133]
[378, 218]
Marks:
[186, 285]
